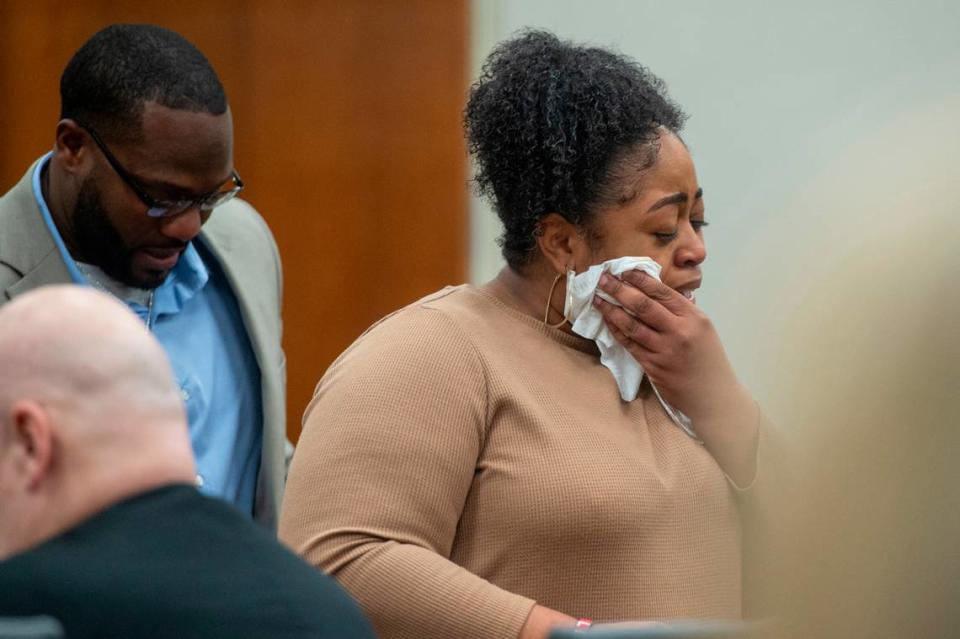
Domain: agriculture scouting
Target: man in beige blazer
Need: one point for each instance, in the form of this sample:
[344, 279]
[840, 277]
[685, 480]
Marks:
[137, 199]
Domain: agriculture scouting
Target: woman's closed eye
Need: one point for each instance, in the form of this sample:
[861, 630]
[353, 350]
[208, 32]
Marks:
[665, 237]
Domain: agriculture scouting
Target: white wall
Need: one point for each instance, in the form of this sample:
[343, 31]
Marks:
[785, 99]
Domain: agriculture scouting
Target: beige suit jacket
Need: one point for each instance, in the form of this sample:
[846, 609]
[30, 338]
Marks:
[241, 242]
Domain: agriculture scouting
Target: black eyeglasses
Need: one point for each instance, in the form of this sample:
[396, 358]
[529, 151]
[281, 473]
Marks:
[165, 208]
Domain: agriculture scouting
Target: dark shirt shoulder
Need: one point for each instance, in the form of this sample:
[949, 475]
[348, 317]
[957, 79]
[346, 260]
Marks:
[173, 563]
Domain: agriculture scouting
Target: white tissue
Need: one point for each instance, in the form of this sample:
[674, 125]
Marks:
[587, 321]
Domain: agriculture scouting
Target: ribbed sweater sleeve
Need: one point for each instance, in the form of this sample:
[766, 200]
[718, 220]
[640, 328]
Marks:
[381, 473]
[762, 529]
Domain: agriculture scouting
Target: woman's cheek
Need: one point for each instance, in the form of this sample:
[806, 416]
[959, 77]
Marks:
[664, 259]
[660, 256]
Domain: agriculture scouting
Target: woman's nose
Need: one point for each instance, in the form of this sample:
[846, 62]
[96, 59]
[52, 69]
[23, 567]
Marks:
[691, 251]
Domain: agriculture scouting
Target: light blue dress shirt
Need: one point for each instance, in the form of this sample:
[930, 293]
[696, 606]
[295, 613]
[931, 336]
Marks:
[197, 320]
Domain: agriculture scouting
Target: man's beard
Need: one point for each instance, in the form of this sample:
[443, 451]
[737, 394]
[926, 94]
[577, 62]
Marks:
[99, 242]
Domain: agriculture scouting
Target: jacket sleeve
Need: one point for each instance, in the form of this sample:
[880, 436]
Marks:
[380, 477]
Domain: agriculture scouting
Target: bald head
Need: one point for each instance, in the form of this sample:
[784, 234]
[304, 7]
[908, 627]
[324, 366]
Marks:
[89, 412]
[79, 347]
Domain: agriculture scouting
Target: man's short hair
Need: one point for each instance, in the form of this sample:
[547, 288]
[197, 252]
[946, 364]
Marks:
[108, 80]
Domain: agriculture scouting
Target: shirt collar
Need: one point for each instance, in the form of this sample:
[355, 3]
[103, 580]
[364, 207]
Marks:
[186, 279]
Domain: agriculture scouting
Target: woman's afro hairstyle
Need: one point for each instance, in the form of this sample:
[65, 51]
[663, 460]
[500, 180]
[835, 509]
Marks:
[554, 127]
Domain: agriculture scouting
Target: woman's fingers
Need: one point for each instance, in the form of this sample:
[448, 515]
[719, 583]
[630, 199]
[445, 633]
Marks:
[648, 309]
[627, 329]
[657, 290]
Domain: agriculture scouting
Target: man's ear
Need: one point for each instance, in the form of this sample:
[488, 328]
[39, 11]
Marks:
[30, 441]
[73, 146]
[562, 243]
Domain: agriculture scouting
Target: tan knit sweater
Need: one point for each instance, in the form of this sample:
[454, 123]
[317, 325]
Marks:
[461, 461]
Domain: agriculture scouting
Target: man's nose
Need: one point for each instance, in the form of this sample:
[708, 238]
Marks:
[183, 226]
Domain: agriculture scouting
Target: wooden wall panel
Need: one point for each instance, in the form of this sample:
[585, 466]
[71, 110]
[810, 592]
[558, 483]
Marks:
[347, 127]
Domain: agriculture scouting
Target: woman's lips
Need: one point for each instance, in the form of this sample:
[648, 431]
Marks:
[687, 290]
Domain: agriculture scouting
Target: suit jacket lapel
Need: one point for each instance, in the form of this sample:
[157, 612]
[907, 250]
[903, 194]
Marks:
[50, 270]
[257, 321]
[25, 241]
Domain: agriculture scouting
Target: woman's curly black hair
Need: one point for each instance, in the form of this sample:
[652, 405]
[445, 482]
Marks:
[555, 127]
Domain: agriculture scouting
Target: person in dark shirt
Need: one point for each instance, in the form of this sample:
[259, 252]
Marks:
[101, 526]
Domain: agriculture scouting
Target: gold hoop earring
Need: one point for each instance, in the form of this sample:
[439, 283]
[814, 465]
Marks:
[546, 312]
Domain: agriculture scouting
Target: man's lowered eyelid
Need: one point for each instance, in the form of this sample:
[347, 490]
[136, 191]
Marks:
[182, 195]
[163, 191]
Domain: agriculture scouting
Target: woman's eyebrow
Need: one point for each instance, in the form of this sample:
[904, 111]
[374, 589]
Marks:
[675, 198]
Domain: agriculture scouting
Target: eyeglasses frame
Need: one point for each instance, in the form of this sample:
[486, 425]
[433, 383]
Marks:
[163, 208]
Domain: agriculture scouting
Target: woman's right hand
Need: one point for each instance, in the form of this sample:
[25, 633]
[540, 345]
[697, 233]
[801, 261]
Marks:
[542, 620]
[680, 351]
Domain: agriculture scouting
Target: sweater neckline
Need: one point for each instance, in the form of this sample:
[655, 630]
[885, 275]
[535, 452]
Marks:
[566, 339]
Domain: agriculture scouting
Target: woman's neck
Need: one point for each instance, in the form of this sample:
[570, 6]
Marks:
[528, 291]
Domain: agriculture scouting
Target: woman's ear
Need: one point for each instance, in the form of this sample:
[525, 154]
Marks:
[562, 243]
